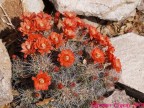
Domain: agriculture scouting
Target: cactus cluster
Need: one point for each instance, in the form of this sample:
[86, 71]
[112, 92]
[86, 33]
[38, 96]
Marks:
[66, 63]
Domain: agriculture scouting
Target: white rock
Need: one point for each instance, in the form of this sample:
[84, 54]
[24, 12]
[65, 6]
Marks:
[1, 1]
[130, 50]
[118, 97]
[105, 9]
[32, 5]
[5, 76]
[141, 6]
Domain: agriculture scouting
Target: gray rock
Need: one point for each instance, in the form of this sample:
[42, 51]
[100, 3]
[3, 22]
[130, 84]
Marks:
[5, 76]
[33, 5]
[130, 50]
[118, 97]
[104, 9]
[141, 6]
[1, 1]
[13, 9]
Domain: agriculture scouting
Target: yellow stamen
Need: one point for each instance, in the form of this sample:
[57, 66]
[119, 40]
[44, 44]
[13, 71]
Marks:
[97, 55]
[28, 46]
[67, 58]
[41, 80]
[41, 24]
[43, 45]
[28, 27]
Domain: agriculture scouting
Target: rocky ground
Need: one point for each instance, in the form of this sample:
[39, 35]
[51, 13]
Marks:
[122, 20]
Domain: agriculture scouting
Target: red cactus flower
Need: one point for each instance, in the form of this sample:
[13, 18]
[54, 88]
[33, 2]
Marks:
[93, 32]
[43, 45]
[97, 55]
[79, 22]
[111, 49]
[42, 24]
[42, 21]
[103, 40]
[27, 27]
[110, 56]
[94, 104]
[115, 79]
[34, 37]
[69, 14]
[60, 86]
[37, 95]
[56, 69]
[56, 39]
[69, 23]
[42, 81]
[69, 33]
[43, 15]
[66, 58]
[27, 48]
[116, 64]
[80, 52]
[72, 84]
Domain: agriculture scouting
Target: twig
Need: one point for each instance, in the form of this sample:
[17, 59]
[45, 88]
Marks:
[21, 2]
[8, 22]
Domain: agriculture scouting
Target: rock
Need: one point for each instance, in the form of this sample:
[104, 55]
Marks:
[33, 5]
[141, 6]
[105, 9]
[130, 50]
[5, 76]
[13, 9]
[1, 1]
[119, 97]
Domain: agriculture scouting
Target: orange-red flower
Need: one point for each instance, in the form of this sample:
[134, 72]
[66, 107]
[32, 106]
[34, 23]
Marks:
[93, 32]
[110, 56]
[43, 15]
[43, 45]
[69, 14]
[69, 23]
[42, 24]
[42, 81]
[79, 22]
[97, 55]
[103, 40]
[66, 58]
[27, 27]
[56, 39]
[27, 48]
[34, 37]
[116, 64]
[35, 22]
[111, 49]
[69, 33]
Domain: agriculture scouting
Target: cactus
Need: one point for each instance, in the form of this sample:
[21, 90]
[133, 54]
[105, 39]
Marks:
[69, 61]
